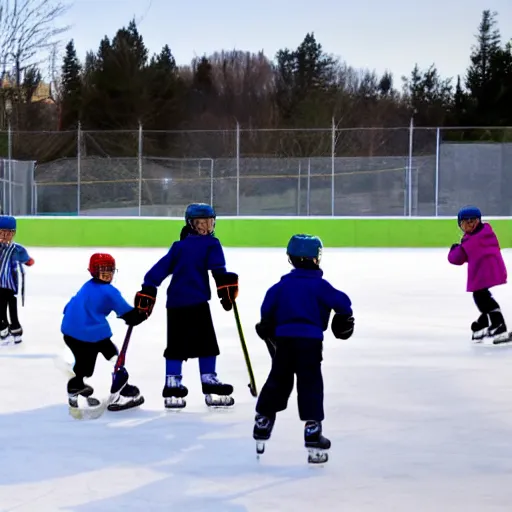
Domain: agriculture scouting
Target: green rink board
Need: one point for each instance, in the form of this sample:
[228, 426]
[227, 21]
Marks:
[249, 232]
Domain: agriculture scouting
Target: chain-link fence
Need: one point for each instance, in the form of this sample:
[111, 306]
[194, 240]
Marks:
[344, 172]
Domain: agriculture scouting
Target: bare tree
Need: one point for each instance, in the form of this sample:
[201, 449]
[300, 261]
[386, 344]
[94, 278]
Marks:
[28, 30]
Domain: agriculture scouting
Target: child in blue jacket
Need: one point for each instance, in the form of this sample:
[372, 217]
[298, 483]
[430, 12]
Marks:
[87, 333]
[190, 330]
[12, 258]
[294, 315]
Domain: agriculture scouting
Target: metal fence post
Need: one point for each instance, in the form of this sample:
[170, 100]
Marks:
[211, 181]
[409, 171]
[139, 158]
[78, 166]
[9, 162]
[298, 191]
[237, 168]
[333, 154]
[308, 191]
[438, 159]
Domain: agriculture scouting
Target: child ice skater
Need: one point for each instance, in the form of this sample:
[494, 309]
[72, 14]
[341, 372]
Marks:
[87, 333]
[480, 249]
[190, 330]
[12, 258]
[294, 315]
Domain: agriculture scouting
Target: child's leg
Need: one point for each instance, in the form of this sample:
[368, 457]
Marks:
[4, 323]
[174, 391]
[310, 392]
[279, 384]
[310, 384]
[207, 364]
[85, 355]
[14, 325]
[12, 302]
[487, 305]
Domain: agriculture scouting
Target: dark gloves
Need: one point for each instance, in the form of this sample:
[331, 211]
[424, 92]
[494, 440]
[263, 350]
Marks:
[266, 332]
[145, 299]
[342, 326]
[227, 288]
[135, 317]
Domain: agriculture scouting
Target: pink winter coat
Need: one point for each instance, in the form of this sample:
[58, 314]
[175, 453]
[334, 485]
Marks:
[481, 251]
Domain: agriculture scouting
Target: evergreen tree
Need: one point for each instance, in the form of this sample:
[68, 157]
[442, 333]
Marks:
[117, 87]
[386, 84]
[71, 89]
[488, 39]
[428, 96]
[307, 71]
[489, 78]
[165, 91]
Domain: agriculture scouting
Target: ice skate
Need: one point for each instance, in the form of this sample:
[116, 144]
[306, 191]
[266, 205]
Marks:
[497, 331]
[480, 328]
[86, 391]
[5, 335]
[217, 394]
[262, 431]
[90, 410]
[128, 398]
[316, 444]
[16, 334]
[499, 334]
[174, 392]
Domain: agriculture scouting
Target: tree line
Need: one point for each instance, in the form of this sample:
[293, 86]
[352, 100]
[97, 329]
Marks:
[120, 86]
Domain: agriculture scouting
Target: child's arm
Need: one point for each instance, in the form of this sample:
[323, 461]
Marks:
[457, 255]
[132, 316]
[160, 270]
[342, 324]
[265, 328]
[23, 257]
[227, 282]
[145, 298]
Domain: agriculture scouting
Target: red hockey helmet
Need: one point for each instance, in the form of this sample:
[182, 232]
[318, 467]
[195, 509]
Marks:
[102, 266]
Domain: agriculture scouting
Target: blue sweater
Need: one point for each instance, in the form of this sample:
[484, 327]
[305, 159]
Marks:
[189, 261]
[299, 305]
[85, 315]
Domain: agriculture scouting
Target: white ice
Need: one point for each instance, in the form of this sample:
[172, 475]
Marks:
[420, 418]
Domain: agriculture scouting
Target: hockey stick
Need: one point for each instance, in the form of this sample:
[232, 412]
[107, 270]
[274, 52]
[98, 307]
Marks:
[252, 381]
[122, 353]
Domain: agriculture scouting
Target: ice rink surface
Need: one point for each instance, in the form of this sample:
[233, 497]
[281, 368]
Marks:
[420, 419]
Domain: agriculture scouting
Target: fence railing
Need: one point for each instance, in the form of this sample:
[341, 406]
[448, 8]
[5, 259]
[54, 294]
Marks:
[403, 171]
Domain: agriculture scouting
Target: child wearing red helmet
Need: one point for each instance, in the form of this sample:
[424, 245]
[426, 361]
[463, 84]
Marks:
[87, 332]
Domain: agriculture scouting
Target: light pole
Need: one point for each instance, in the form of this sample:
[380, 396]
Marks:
[8, 111]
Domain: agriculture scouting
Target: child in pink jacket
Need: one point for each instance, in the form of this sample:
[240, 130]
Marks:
[480, 249]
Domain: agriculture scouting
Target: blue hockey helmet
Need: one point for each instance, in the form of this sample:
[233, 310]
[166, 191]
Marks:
[305, 247]
[7, 222]
[7, 229]
[200, 211]
[467, 213]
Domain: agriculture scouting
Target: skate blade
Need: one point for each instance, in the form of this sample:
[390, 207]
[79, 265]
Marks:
[127, 406]
[260, 448]
[506, 337]
[219, 401]
[88, 413]
[500, 339]
[174, 403]
[317, 456]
